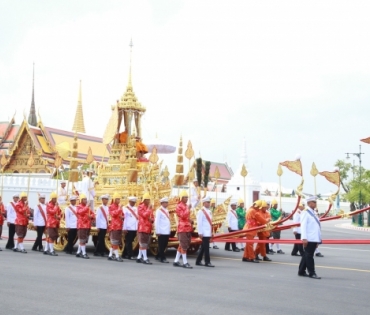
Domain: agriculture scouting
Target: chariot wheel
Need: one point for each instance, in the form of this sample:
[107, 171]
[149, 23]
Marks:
[61, 242]
[121, 246]
[193, 248]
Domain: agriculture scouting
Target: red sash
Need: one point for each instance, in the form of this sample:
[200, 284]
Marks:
[42, 213]
[133, 212]
[233, 212]
[74, 212]
[165, 213]
[207, 217]
[13, 205]
[104, 215]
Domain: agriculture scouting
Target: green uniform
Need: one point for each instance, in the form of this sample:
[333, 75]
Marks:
[240, 212]
[275, 214]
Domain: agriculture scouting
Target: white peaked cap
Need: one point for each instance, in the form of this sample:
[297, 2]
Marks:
[72, 198]
[311, 198]
[41, 196]
[164, 199]
[132, 198]
[233, 203]
[206, 199]
[16, 195]
[105, 196]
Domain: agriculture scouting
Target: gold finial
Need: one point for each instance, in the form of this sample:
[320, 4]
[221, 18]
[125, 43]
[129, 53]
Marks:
[314, 170]
[153, 158]
[90, 157]
[79, 125]
[31, 161]
[58, 161]
[189, 153]
[244, 171]
[279, 170]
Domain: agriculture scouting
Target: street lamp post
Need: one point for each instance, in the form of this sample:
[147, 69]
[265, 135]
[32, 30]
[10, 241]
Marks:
[360, 215]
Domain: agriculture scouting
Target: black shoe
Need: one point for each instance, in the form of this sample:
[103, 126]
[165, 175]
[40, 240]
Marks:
[46, 252]
[303, 274]
[314, 276]
[69, 253]
[23, 251]
[254, 261]
[15, 249]
[96, 254]
[296, 255]
[187, 266]
[272, 251]
[257, 258]
[41, 249]
[209, 265]
[78, 255]
[53, 253]
[147, 262]
[110, 258]
[177, 264]
[243, 248]
[165, 261]
[229, 250]
[236, 250]
[215, 247]
[125, 257]
[35, 250]
[119, 259]
[84, 256]
[199, 263]
[266, 258]
[139, 260]
[280, 251]
[157, 258]
[245, 259]
[319, 255]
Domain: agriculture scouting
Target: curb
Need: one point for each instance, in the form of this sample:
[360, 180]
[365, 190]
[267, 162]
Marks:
[349, 226]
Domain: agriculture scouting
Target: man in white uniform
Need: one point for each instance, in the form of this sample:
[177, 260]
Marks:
[71, 224]
[162, 228]
[311, 238]
[204, 224]
[62, 193]
[298, 248]
[39, 221]
[130, 226]
[10, 217]
[232, 225]
[102, 214]
[87, 188]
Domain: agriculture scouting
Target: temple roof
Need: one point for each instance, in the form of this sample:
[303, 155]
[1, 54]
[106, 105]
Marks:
[8, 132]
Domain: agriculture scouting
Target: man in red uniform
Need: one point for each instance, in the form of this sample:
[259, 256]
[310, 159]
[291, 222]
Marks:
[184, 230]
[22, 214]
[264, 235]
[84, 217]
[115, 227]
[54, 215]
[144, 230]
[253, 218]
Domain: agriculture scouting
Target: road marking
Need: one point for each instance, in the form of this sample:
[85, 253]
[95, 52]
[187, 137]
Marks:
[293, 264]
[350, 249]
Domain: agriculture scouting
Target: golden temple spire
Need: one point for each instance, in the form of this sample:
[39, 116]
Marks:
[79, 125]
[129, 75]
[179, 176]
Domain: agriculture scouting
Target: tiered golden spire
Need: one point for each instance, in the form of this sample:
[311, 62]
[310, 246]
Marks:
[79, 125]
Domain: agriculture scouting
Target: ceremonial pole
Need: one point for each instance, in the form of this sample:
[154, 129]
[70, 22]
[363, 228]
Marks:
[217, 176]
[30, 164]
[57, 163]
[2, 163]
[189, 154]
[244, 173]
[314, 172]
[279, 173]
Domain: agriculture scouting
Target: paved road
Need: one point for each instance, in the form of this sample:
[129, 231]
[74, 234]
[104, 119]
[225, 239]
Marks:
[33, 283]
